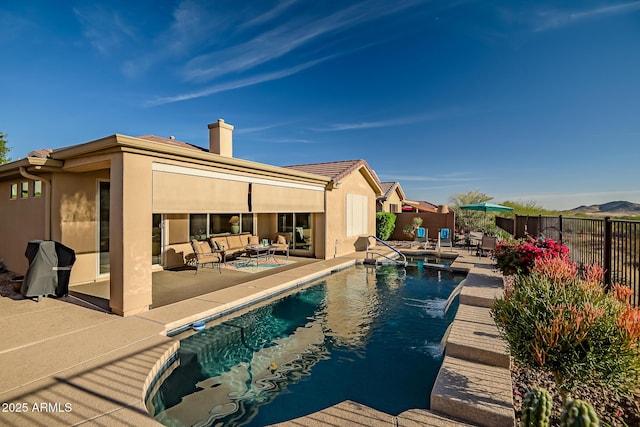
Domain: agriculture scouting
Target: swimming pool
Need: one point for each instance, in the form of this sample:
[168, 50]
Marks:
[364, 334]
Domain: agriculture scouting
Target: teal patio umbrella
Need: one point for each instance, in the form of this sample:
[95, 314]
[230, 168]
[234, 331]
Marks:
[486, 207]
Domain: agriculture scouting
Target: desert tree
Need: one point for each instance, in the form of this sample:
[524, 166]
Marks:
[4, 149]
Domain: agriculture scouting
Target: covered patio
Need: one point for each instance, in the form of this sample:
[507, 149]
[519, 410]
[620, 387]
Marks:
[175, 285]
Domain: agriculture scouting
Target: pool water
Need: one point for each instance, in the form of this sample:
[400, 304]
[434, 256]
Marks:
[364, 334]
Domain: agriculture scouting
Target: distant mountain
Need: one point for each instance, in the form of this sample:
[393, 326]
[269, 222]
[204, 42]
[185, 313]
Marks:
[619, 208]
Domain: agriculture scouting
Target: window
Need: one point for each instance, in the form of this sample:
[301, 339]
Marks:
[393, 208]
[24, 190]
[37, 188]
[198, 226]
[218, 224]
[104, 197]
[13, 192]
[246, 225]
[357, 219]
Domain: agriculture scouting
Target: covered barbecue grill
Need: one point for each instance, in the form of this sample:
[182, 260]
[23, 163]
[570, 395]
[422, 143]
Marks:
[49, 270]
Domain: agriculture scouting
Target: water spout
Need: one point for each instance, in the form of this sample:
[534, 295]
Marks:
[453, 295]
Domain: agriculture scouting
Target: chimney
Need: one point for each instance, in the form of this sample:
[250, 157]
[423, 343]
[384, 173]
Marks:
[221, 138]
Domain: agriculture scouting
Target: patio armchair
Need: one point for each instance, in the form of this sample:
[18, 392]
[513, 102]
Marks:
[205, 255]
[280, 245]
[474, 240]
[487, 245]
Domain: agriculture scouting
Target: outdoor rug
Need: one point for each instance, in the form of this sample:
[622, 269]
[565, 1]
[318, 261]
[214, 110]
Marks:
[249, 265]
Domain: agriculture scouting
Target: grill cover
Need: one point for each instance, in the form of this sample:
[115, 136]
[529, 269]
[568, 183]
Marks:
[49, 270]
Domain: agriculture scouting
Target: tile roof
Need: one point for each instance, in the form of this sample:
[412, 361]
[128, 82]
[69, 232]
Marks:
[170, 141]
[335, 170]
[388, 188]
[421, 206]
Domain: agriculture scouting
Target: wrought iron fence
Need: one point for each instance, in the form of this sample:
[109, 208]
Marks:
[611, 243]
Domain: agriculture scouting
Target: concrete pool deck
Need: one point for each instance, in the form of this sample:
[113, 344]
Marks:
[67, 363]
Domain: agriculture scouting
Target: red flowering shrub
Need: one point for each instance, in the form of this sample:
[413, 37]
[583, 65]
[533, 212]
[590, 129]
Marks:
[519, 257]
[557, 269]
[558, 320]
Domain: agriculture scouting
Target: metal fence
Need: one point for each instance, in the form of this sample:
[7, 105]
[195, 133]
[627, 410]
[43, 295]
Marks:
[611, 243]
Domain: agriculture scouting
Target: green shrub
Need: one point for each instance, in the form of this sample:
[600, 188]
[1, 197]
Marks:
[385, 224]
[556, 321]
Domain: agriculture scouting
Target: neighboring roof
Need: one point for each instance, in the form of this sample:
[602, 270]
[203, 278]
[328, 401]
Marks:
[421, 206]
[337, 171]
[171, 141]
[388, 188]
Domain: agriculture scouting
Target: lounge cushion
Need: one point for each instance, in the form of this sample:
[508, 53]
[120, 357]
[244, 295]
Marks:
[221, 242]
[235, 241]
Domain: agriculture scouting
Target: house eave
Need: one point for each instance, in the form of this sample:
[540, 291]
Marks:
[124, 143]
[31, 164]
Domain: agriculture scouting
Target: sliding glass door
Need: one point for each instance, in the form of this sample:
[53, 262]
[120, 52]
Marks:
[156, 239]
[297, 227]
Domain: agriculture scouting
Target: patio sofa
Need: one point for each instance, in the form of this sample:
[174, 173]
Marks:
[232, 244]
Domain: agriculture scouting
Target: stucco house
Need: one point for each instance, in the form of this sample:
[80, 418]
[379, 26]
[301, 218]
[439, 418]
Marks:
[130, 205]
[350, 204]
[391, 199]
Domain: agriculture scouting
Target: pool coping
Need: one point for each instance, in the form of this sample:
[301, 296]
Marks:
[474, 382]
[104, 365]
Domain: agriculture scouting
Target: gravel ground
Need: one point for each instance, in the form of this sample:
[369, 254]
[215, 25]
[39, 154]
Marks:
[6, 289]
[612, 409]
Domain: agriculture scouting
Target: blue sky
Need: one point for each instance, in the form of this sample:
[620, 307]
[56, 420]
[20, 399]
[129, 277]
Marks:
[526, 101]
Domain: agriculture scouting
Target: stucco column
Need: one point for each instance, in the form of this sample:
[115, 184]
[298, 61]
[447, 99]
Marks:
[130, 234]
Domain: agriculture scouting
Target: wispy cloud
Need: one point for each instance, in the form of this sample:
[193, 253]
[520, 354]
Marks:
[259, 128]
[426, 178]
[436, 115]
[585, 195]
[105, 29]
[14, 26]
[236, 84]
[292, 141]
[245, 62]
[551, 20]
[271, 14]
[283, 39]
[194, 24]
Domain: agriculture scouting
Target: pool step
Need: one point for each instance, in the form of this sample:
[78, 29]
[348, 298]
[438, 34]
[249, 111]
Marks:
[349, 413]
[475, 337]
[383, 261]
[482, 288]
[476, 393]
